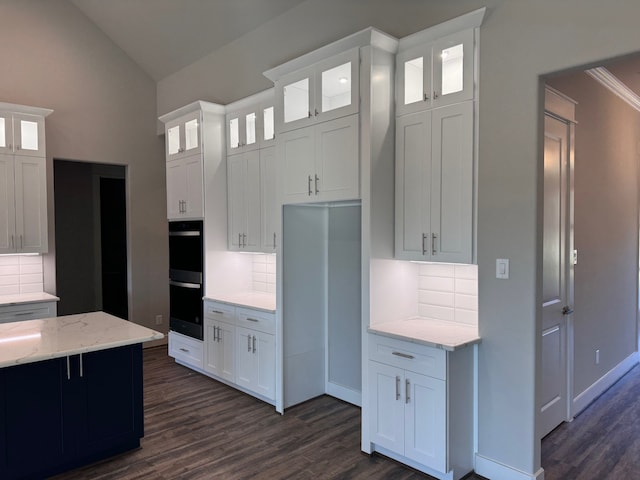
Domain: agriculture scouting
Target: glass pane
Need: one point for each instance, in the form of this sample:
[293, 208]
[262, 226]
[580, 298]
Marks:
[191, 140]
[269, 131]
[452, 69]
[296, 101]
[413, 81]
[336, 87]
[173, 140]
[251, 128]
[28, 135]
[234, 132]
[3, 133]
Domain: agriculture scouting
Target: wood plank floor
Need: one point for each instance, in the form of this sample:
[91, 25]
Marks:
[197, 428]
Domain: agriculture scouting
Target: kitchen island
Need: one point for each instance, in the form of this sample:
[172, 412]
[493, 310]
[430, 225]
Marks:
[70, 392]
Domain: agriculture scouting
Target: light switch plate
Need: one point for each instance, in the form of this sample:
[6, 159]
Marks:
[502, 268]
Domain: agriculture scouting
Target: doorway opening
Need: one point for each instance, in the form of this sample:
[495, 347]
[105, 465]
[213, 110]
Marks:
[91, 238]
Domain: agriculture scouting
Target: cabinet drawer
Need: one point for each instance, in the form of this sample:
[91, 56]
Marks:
[28, 311]
[186, 349]
[257, 320]
[219, 311]
[409, 356]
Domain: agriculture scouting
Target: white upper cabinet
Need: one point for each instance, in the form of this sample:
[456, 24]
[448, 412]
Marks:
[270, 220]
[242, 131]
[435, 74]
[183, 136]
[326, 90]
[22, 134]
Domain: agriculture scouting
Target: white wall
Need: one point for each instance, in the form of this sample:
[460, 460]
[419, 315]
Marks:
[104, 111]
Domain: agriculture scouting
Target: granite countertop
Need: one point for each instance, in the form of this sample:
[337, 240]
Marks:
[20, 298]
[434, 333]
[35, 340]
[256, 300]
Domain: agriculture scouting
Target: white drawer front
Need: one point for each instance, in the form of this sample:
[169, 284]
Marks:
[410, 356]
[257, 320]
[186, 349]
[27, 311]
[219, 311]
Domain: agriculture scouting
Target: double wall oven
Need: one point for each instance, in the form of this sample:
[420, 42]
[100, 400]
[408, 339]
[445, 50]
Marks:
[185, 277]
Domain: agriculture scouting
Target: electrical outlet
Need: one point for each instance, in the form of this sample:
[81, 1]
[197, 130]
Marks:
[158, 319]
[598, 357]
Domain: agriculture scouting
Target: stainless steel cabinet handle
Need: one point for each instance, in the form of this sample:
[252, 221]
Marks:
[184, 350]
[567, 310]
[81, 367]
[21, 243]
[68, 368]
[316, 112]
[248, 343]
[317, 191]
[215, 333]
[17, 314]
[184, 284]
[244, 240]
[239, 240]
[309, 185]
[252, 319]
[274, 239]
[217, 311]
[407, 391]
[426, 97]
[403, 355]
[310, 114]
[397, 387]
[424, 239]
[12, 242]
[435, 95]
[254, 344]
[434, 238]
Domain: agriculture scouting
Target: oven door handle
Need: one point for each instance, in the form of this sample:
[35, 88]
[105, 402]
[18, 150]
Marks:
[184, 284]
[185, 233]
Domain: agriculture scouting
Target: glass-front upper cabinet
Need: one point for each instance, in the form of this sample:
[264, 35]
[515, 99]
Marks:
[22, 134]
[268, 131]
[242, 130]
[323, 91]
[435, 74]
[183, 136]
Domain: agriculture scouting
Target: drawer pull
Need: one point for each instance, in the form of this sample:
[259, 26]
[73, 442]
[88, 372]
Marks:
[19, 314]
[403, 355]
[253, 319]
[217, 311]
[184, 350]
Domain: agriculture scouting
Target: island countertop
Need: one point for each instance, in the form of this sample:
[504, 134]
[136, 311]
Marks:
[36, 340]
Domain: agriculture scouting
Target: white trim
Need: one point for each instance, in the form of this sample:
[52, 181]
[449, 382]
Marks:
[583, 400]
[14, 108]
[611, 82]
[492, 469]
[343, 393]
[192, 107]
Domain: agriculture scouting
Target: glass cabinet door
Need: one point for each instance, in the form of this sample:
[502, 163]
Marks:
[28, 135]
[268, 126]
[242, 131]
[337, 92]
[250, 123]
[413, 80]
[173, 140]
[191, 135]
[297, 100]
[453, 69]
[233, 127]
[5, 133]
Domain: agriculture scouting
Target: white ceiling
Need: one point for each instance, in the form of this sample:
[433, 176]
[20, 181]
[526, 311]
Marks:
[164, 36]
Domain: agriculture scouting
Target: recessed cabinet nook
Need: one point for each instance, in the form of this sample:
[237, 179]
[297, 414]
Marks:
[357, 171]
[23, 191]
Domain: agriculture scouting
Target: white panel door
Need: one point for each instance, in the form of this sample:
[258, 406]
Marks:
[7, 205]
[413, 174]
[425, 415]
[236, 168]
[296, 165]
[253, 204]
[452, 183]
[245, 371]
[337, 169]
[31, 204]
[220, 353]
[194, 206]
[386, 404]
[176, 188]
[270, 212]
[553, 396]
[265, 365]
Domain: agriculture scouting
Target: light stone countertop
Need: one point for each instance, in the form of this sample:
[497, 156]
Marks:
[20, 298]
[255, 300]
[434, 333]
[35, 340]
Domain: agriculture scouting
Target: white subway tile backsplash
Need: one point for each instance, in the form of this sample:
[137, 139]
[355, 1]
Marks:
[21, 274]
[442, 299]
[467, 302]
[469, 317]
[264, 273]
[437, 270]
[469, 272]
[436, 312]
[438, 284]
[468, 287]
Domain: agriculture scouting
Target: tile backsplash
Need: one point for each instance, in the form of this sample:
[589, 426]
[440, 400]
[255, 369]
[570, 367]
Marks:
[448, 292]
[264, 273]
[20, 274]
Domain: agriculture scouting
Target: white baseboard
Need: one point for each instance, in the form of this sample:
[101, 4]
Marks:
[495, 470]
[343, 393]
[583, 400]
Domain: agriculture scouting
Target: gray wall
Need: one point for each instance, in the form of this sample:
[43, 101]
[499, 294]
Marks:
[606, 227]
[104, 111]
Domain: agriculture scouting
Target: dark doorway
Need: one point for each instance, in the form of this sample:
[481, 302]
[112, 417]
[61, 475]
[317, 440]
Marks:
[91, 237]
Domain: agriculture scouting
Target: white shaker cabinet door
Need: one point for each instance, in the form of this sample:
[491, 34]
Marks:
[386, 405]
[31, 204]
[7, 205]
[296, 165]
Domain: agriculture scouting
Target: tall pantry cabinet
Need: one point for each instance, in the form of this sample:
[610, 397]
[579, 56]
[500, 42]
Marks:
[23, 196]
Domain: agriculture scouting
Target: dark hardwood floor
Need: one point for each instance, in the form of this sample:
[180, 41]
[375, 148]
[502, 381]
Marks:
[197, 428]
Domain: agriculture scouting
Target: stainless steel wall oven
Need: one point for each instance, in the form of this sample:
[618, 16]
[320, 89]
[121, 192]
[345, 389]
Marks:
[186, 277]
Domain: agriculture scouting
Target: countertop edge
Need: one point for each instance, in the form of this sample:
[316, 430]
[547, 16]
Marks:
[46, 298]
[240, 304]
[421, 341]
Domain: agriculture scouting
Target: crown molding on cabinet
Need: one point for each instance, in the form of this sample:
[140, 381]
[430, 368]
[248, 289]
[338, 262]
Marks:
[197, 105]
[12, 107]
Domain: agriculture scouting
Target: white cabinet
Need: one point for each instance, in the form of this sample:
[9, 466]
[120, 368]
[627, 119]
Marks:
[434, 185]
[27, 311]
[251, 127]
[421, 405]
[270, 220]
[437, 73]
[191, 134]
[186, 350]
[23, 189]
[326, 90]
[320, 162]
[244, 200]
[240, 348]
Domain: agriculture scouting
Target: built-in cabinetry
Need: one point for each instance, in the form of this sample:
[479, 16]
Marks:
[251, 191]
[421, 405]
[189, 134]
[435, 147]
[240, 347]
[27, 311]
[23, 195]
[186, 350]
